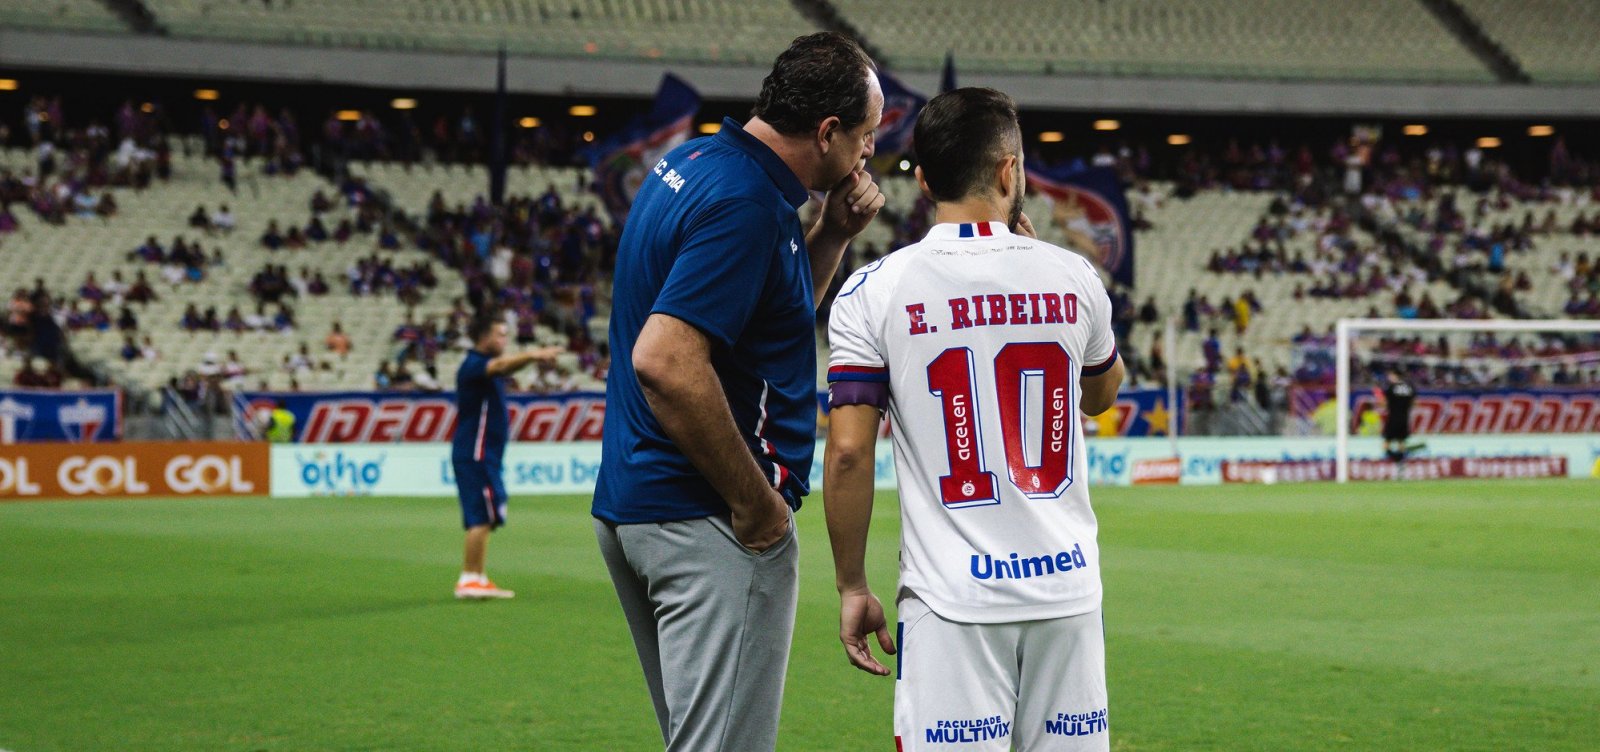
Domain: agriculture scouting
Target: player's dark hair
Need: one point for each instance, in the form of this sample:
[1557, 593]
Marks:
[959, 138]
[481, 324]
[821, 75]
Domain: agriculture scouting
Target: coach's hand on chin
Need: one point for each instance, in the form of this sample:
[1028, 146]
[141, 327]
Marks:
[851, 205]
[761, 523]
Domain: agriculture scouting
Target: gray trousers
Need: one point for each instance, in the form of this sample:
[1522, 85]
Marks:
[712, 622]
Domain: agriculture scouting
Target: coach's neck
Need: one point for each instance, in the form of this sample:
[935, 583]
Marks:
[796, 151]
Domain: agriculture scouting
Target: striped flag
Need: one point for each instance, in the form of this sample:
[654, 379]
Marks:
[621, 159]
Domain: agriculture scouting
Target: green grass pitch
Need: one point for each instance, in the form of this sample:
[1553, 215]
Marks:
[1419, 616]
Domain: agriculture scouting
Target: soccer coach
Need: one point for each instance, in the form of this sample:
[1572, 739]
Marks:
[711, 402]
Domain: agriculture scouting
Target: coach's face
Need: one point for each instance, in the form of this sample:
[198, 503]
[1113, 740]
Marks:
[846, 150]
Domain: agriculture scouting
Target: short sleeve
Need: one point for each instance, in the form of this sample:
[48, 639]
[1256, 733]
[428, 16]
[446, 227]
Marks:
[721, 269]
[852, 334]
[857, 372]
[1100, 352]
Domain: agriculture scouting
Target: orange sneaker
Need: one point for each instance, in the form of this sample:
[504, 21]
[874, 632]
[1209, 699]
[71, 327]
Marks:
[484, 590]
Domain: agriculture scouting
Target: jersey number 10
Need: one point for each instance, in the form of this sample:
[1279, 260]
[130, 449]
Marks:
[1020, 370]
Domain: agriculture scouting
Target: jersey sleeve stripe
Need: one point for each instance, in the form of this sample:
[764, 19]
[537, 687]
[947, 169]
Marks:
[857, 373]
[1096, 370]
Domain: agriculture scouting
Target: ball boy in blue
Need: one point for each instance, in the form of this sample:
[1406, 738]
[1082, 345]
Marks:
[479, 445]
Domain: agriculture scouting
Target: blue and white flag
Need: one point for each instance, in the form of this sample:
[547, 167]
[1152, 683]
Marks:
[1089, 205]
[901, 106]
[621, 159]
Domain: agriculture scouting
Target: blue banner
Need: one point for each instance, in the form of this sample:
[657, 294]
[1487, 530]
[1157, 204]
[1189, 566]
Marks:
[31, 415]
[1139, 412]
[1089, 205]
[621, 160]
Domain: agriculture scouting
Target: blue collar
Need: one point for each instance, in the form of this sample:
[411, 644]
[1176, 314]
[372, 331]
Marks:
[734, 134]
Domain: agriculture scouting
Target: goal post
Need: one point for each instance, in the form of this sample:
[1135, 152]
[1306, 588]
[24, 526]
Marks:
[1345, 329]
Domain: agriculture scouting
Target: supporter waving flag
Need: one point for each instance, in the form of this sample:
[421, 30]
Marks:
[621, 160]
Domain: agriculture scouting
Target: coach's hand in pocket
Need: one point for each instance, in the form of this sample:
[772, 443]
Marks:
[762, 524]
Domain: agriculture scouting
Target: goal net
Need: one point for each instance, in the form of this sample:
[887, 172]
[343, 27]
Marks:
[1462, 377]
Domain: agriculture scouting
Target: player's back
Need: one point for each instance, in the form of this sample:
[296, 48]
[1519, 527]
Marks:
[984, 336]
[1398, 395]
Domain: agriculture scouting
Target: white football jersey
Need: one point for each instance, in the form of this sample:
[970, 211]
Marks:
[982, 335]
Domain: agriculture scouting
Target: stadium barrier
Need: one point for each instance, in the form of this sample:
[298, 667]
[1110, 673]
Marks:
[383, 417]
[412, 469]
[133, 469]
[236, 468]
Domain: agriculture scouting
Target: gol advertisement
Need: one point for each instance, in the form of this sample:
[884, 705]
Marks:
[133, 469]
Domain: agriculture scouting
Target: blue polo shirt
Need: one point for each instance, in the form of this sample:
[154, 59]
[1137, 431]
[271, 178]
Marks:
[713, 239]
[481, 422]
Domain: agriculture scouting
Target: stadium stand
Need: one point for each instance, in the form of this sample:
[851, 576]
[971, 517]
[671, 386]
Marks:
[412, 189]
[65, 15]
[1553, 40]
[1531, 245]
[1306, 39]
[62, 255]
[726, 31]
[1556, 41]
[1253, 249]
[303, 284]
[1279, 39]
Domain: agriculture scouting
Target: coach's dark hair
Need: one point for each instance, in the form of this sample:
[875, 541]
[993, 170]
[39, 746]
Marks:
[821, 75]
[959, 138]
[481, 324]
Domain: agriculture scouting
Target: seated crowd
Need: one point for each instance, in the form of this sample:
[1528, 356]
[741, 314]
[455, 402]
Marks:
[1354, 222]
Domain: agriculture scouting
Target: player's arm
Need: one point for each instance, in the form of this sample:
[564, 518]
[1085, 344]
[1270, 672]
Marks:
[850, 207]
[510, 363]
[672, 361]
[1102, 366]
[848, 465]
[1100, 390]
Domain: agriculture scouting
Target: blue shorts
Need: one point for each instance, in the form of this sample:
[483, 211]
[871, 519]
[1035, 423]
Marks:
[482, 493]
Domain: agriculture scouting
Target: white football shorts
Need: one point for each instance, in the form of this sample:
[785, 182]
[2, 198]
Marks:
[1032, 686]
